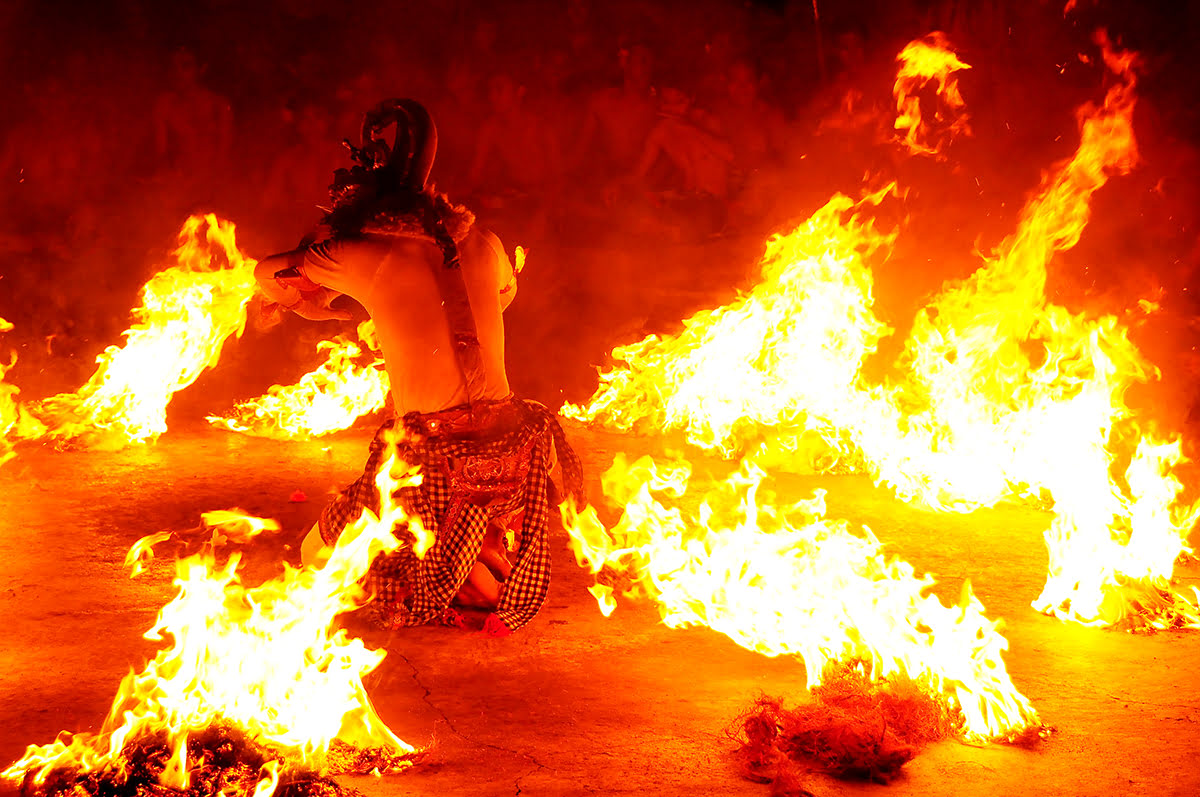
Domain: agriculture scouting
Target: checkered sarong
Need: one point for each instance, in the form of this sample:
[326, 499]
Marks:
[411, 590]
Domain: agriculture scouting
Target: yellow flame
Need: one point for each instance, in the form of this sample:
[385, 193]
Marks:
[15, 421]
[925, 61]
[349, 384]
[188, 310]
[999, 394]
[784, 580]
[141, 554]
[265, 659]
[328, 399]
[787, 352]
[235, 526]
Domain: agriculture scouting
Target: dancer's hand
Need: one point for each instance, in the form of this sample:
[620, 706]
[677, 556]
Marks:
[315, 306]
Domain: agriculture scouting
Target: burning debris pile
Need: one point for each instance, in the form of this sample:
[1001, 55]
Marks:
[998, 395]
[229, 763]
[253, 690]
[855, 729]
[784, 580]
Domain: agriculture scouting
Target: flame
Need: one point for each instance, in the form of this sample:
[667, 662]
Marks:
[188, 310]
[923, 61]
[1009, 395]
[327, 399]
[15, 421]
[264, 659]
[786, 353]
[999, 394]
[235, 525]
[331, 397]
[784, 580]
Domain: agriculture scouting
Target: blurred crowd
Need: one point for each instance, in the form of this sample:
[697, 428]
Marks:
[648, 122]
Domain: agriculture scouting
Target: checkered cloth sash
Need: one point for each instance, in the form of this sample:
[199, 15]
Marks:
[473, 474]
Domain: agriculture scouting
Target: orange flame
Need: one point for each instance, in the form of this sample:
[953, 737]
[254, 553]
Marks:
[784, 580]
[923, 61]
[329, 398]
[786, 353]
[325, 400]
[999, 394]
[265, 659]
[187, 312]
[15, 421]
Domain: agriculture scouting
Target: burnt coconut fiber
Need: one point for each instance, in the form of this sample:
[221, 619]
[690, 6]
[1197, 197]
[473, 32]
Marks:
[855, 730]
[231, 765]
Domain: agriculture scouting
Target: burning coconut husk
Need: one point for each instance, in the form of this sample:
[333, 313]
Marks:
[254, 690]
[971, 417]
[782, 579]
[230, 762]
[855, 729]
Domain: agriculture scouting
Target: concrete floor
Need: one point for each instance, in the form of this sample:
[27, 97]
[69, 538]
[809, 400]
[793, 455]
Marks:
[575, 703]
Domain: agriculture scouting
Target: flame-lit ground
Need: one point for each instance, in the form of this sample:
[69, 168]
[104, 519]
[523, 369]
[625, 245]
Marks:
[574, 703]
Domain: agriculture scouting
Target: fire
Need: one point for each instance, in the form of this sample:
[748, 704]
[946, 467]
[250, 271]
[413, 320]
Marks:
[264, 660]
[999, 394]
[352, 382]
[327, 399]
[15, 421]
[188, 310]
[784, 580]
[785, 354]
[1009, 395]
[921, 62]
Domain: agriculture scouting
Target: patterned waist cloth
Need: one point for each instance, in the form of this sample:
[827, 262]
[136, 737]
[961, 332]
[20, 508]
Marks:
[484, 464]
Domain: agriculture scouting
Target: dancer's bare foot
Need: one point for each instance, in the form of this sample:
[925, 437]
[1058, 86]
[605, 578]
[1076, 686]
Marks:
[481, 590]
[494, 555]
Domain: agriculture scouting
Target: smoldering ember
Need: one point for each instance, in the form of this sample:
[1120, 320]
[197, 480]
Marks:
[649, 396]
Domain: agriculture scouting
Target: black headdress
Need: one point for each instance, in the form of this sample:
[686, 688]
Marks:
[387, 179]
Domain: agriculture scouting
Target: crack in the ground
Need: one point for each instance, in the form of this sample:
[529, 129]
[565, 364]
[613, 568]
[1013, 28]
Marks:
[1127, 700]
[517, 782]
[426, 696]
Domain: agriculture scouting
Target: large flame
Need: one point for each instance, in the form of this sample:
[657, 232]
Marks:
[999, 394]
[349, 384]
[784, 354]
[784, 580]
[188, 310]
[923, 62]
[263, 659]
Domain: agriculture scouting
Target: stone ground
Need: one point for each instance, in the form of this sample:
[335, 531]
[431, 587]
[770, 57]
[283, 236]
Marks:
[575, 703]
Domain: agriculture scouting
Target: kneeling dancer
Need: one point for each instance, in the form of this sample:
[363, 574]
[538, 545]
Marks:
[436, 287]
